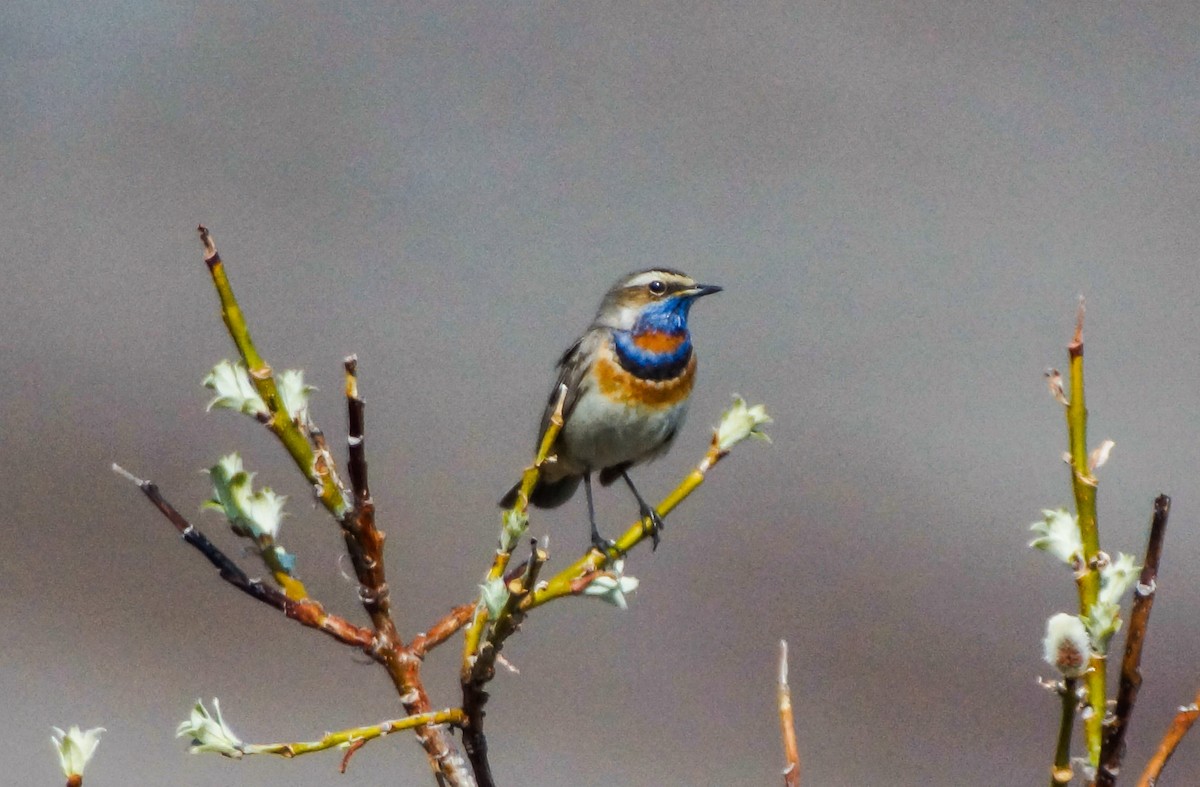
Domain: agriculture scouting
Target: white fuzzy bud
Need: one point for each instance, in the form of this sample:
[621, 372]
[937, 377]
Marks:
[1066, 645]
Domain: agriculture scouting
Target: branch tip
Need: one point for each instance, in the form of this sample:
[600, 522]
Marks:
[210, 247]
[126, 474]
[1078, 338]
[787, 723]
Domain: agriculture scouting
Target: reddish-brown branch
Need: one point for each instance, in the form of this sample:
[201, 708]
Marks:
[1113, 749]
[350, 750]
[364, 543]
[442, 630]
[787, 724]
[1180, 725]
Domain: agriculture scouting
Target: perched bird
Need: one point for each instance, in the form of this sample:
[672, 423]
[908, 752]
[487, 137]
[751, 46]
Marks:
[628, 379]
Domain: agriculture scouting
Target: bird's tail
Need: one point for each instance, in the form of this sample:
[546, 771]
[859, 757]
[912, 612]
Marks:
[547, 494]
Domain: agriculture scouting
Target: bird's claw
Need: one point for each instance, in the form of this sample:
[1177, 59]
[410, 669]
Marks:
[656, 527]
[606, 546]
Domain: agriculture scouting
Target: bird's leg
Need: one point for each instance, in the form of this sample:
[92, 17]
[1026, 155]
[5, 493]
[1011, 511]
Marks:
[605, 545]
[647, 512]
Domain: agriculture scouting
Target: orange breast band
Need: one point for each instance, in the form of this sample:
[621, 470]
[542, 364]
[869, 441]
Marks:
[658, 341]
[618, 384]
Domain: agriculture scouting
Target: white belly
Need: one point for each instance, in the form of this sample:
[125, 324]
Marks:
[602, 433]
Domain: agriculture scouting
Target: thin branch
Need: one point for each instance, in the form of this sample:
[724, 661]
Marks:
[356, 409]
[280, 423]
[1060, 772]
[474, 633]
[442, 630]
[1113, 750]
[737, 424]
[483, 668]
[567, 581]
[787, 723]
[1083, 483]
[364, 542]
[357, 735]
[305, 611]
[1183, 721]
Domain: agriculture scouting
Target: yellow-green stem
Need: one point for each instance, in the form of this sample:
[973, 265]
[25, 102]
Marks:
[1088, 577]
[563, 583]
[281, 424]
[474, 632]
[355, 734]
[1061, 773]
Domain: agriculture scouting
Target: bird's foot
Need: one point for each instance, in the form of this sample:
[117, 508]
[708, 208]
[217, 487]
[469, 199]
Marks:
[605, 546]
[655, 528]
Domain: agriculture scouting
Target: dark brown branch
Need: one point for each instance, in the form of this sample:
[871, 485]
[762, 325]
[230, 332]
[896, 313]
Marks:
[356, 432]
[475, 696]
[364, 541]
[1180, 725]
[305, 611]
[1113, 749]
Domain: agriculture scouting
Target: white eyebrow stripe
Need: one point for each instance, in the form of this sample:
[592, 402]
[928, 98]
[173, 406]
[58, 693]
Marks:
[644, 278]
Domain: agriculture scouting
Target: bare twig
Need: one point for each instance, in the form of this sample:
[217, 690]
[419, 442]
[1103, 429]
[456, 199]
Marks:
[569, 581]
[305, 611]
[263, 379]
[356, 409]
[483, 668]
[1083, 483]
[1113, 750]
[364, 542]
[1183, 721]
[787, 723]
[1061, 772]
[442, 630]
[477, 669]
[474, 633]
[357, 735]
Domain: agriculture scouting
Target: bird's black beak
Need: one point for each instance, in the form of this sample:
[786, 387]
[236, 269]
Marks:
[703, 289]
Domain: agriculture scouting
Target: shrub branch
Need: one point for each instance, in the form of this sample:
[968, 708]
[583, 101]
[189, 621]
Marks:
[305, 611]
[1183, 721]
[1113, 750]
[364, 542]
[787, 723]
[1083, 484]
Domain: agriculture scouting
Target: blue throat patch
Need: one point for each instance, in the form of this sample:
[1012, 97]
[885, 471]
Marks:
[669, 317]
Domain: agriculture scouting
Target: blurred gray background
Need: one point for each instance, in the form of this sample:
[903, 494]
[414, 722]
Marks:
[903, 202]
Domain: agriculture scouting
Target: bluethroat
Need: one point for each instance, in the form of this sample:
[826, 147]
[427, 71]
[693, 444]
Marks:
[628, 379]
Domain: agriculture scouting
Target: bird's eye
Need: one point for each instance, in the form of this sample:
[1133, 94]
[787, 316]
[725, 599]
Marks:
[657, 287]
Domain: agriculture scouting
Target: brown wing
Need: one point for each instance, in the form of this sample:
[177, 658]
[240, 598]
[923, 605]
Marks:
[573, 369]
[572, 372]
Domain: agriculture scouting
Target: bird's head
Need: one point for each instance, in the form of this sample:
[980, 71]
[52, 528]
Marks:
[656, 299]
